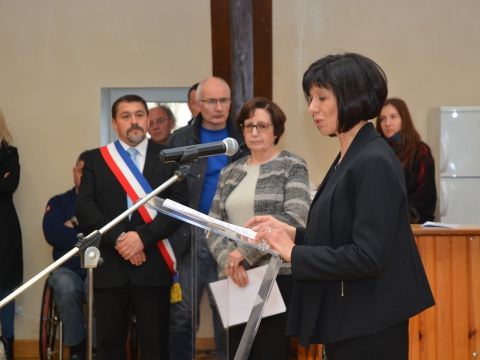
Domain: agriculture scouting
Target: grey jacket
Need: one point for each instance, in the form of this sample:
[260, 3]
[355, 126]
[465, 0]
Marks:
[282, 191]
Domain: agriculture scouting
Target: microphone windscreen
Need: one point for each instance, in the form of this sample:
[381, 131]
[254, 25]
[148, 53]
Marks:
[231, 146]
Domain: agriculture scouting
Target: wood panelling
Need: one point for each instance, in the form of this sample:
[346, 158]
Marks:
[449, 330]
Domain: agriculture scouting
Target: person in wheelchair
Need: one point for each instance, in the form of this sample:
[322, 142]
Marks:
[69, 281]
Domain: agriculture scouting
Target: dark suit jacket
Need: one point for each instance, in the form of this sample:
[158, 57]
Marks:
[11, 260]
[101, 198]
[356, 267]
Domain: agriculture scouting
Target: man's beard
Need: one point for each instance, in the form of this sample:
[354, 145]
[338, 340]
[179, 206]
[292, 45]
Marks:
[135, 137]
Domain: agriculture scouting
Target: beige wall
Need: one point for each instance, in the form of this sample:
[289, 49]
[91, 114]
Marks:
[55, 55]
[429, 50]
[54, 58]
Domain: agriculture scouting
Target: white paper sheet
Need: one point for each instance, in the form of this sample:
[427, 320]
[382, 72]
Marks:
[439, 224]
[235, 303]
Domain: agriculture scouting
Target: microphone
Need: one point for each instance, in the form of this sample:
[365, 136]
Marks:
[228, 146]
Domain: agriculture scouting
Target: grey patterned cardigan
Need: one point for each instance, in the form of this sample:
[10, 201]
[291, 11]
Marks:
[282, 191]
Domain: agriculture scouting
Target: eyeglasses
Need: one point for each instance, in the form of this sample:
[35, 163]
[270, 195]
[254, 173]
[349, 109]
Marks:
[261, 127]
[214, 102]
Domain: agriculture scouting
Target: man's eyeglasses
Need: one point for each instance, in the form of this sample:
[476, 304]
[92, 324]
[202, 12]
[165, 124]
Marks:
[261, 127]
[214, 102]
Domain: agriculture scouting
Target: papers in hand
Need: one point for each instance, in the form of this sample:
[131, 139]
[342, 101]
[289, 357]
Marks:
[439, 224]
[235, 303]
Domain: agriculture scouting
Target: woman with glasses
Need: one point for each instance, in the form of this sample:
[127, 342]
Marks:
[269, 181]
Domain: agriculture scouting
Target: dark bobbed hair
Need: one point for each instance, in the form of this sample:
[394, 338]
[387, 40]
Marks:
[358, 83]
[409, 137]
[127, 98]
[276, 114]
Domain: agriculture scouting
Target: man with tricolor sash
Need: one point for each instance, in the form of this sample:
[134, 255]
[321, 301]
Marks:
[139, 262]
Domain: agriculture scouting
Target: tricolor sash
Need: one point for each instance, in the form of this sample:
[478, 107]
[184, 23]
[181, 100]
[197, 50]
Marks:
[136, 186]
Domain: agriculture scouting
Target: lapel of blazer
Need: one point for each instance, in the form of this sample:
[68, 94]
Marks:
[365, 135]
[324, 181]
[149, 161]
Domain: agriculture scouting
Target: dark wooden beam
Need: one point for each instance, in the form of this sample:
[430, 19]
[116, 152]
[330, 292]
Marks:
[262, 48]
[241, 31]
[221, 42]
[262, 44]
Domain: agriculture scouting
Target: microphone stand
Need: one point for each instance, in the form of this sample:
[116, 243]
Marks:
[91, 255]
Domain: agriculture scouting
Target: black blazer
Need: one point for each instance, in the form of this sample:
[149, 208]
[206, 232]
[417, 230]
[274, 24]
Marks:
[11, 260]
[356, 267]
[101, 198]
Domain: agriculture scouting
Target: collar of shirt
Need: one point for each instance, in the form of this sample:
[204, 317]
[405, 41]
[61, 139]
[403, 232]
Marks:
[142, 151]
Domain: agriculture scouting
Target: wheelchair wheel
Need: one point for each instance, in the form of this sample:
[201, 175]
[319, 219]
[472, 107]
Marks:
[49, 323]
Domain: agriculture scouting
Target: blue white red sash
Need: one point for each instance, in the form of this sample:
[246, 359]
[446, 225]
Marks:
[136, 186]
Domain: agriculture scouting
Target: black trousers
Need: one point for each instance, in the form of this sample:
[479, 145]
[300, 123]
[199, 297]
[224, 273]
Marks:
[388, 344]
[113, 307]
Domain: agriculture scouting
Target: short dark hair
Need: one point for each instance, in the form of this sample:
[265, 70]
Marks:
[81, 157]
[127, 98]
[192, 88]
[276, 114]
[168, 111]
[358, 83]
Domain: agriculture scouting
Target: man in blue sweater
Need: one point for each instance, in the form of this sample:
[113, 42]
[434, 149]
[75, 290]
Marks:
[69, 281]
[197, 267]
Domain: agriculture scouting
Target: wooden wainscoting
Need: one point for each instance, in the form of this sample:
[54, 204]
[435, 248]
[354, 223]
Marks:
[313, 352]
[449, 330]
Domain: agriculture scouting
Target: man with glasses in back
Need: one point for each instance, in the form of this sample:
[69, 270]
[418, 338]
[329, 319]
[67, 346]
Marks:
[197, 268]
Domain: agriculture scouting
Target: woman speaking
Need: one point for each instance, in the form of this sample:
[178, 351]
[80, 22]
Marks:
[357, 275]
